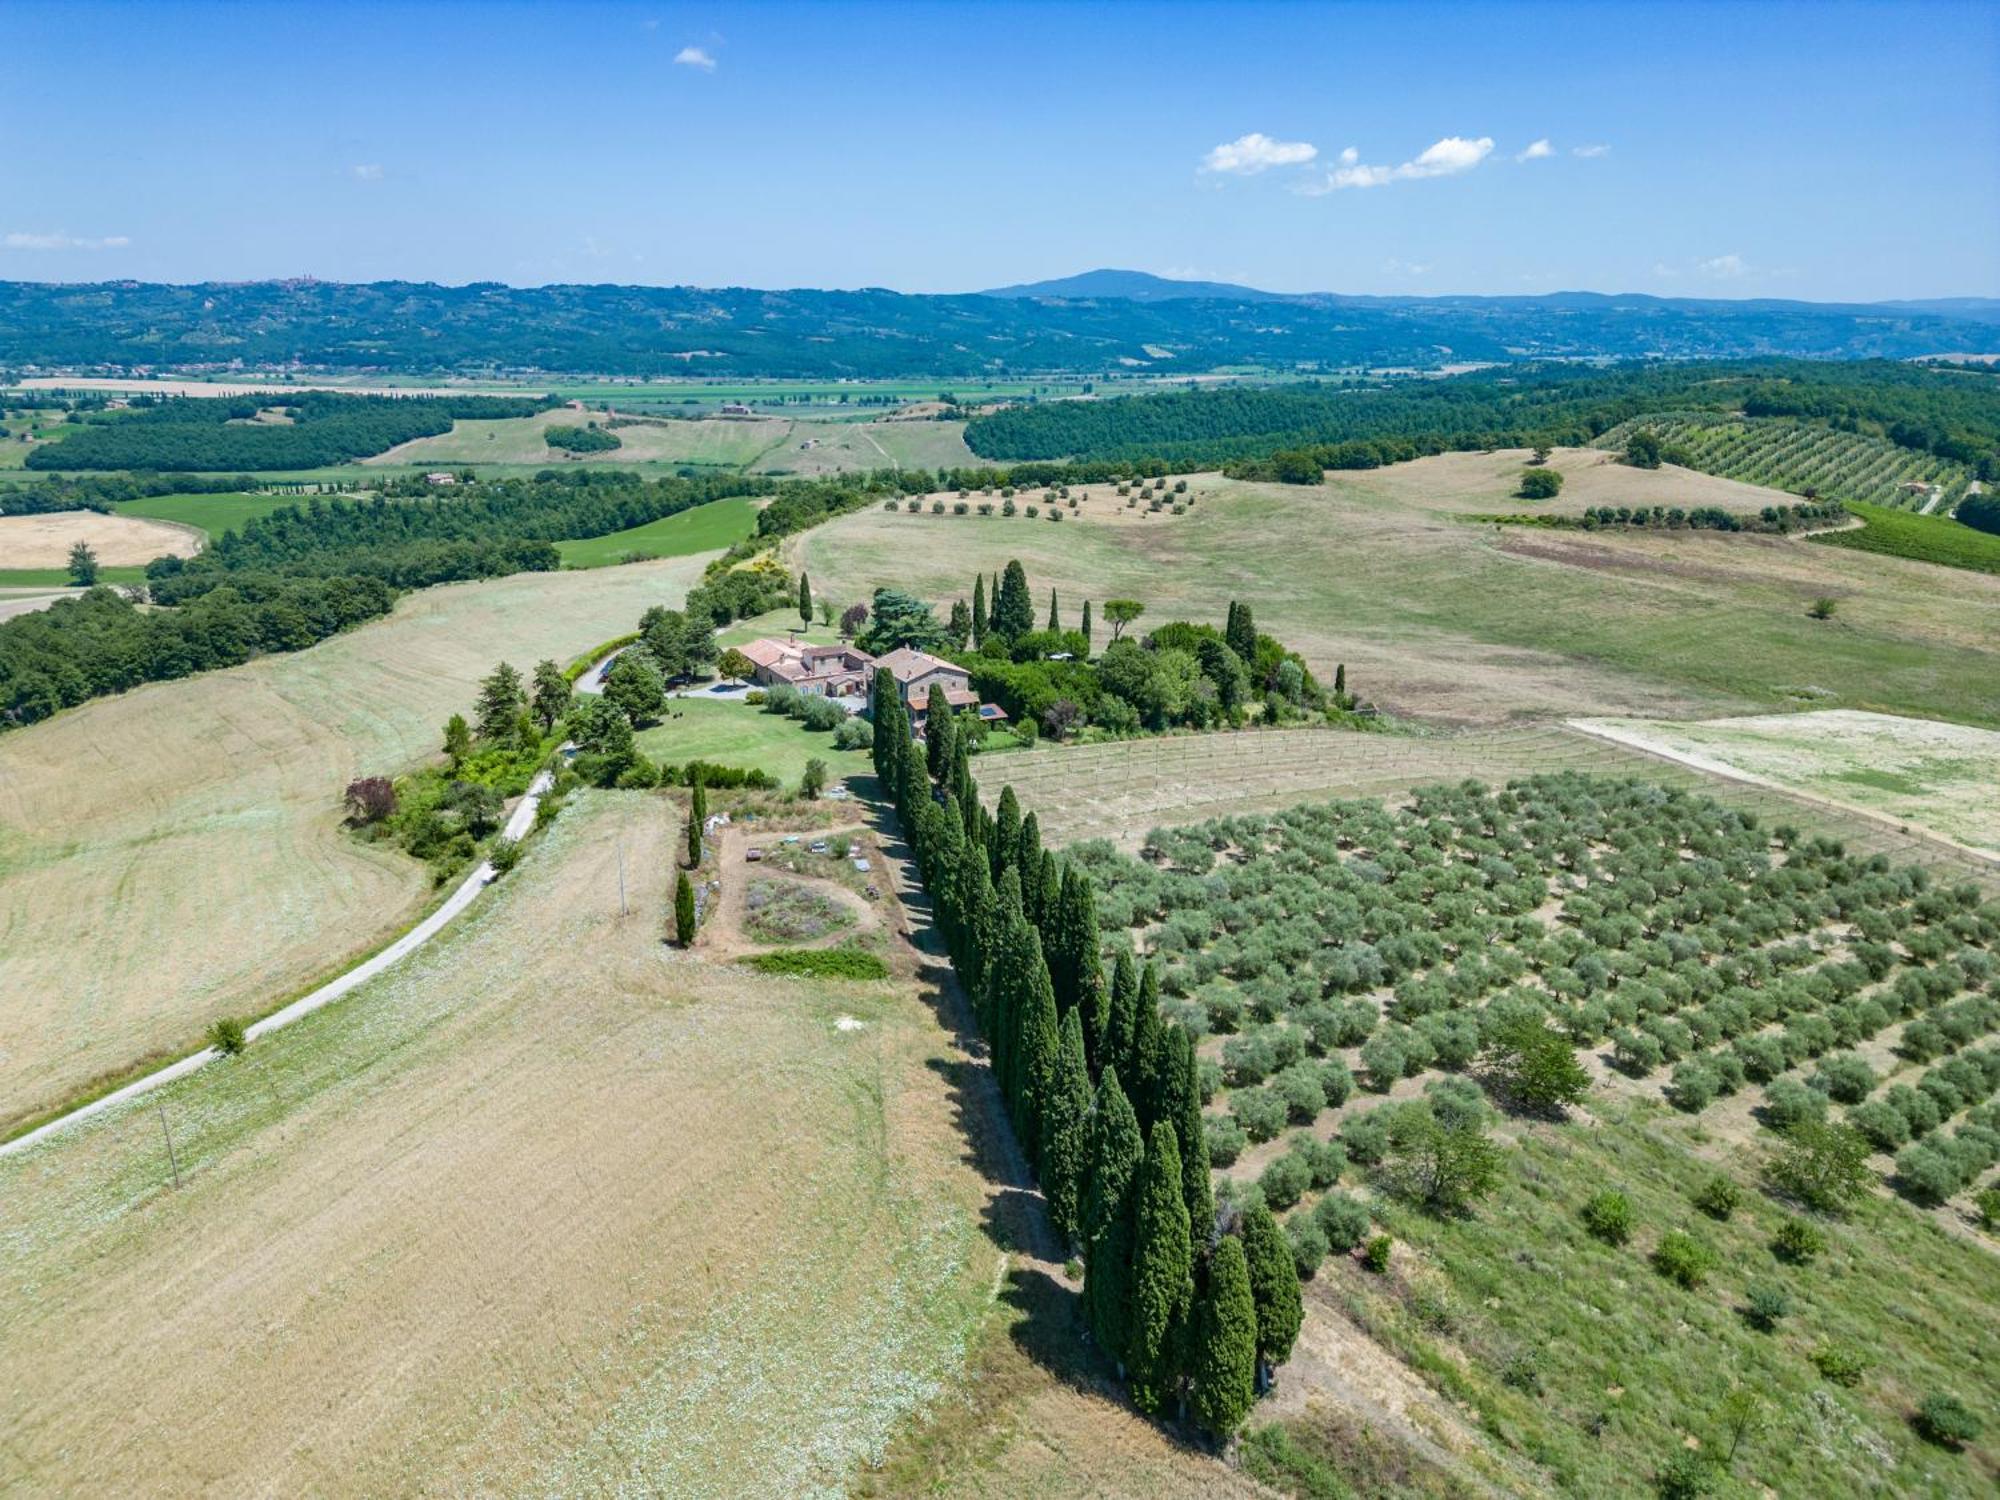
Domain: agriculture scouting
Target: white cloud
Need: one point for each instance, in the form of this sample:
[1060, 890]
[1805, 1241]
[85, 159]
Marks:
[20, 240]
[1537, 151]
[695, 57]
[1587, 152]
[1723, 267]
[1250, 154]
[1447, 158]
[367, 171]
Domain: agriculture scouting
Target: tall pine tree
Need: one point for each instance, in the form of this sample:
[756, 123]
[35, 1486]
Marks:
[1223, 1360]
[1055, 615]
[1162, 1262]
[978, 610]
[1117, 1151]
[1088, 648]
[805, 600]
[1241, 633]
[1066, 1133]
[939, 733]
[1121, 1029]
[1036, 1046]
[1180, 1106]
[1006, 832]
[1148, 1049]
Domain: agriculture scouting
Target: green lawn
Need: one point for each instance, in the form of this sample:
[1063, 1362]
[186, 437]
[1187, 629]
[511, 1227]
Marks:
[710, 527]
[213, 514]
[737, 734]
[58, 578]
[1932, 539]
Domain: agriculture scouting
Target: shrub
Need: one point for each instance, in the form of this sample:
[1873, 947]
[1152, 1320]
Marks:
[1986, 1203]
[1284, 1181]
[504, 855]
[1693, 1085]
[1797, 1241]
[1299, 1087]
[226, 1035]
[1540, 484]
[1259, 1111]
[1308, 1243]
[1688, 1475]
[853, 733]
[1788, 1102]
[1927, 1173]
[1344, 1220]
[1823, 1166]
[820, 963]
[1683, 1259]
[1718, 1197]
[1846, 1078]
[1608, 1216]
[1840, 1363]
[1324, 1160]
[1945, 1420]
[1366, 1137]
[1226, 1139]
[1376, 1256]
[1765, 1306]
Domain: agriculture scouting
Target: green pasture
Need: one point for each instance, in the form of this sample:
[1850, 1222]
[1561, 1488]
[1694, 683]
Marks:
[732, 733]
[711, 527]
[211, 514]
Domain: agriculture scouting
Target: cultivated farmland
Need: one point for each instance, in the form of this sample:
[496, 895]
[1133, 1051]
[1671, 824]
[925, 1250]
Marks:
[1449, 620]
[553, 1207]
[44, 541]
[175, 854]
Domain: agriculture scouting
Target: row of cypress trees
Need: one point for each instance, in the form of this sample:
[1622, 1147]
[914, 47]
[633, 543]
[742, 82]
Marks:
[1104, 1094]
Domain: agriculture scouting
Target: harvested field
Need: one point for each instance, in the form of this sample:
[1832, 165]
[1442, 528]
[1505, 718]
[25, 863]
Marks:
[119, 541]
[553, 1209]
[1443, 619]
[1937, 778]
[175, 854]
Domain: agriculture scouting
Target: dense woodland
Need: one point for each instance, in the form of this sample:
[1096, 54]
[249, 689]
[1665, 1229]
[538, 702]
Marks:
[195, 433]
[736, 331]
[1293, 432]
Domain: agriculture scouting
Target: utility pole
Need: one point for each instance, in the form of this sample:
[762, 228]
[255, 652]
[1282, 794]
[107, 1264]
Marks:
[172, 1159]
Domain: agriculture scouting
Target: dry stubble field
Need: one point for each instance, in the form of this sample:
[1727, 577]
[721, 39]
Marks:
[175, 854]
[549, 1208]
[1443, 619]
[119, 541]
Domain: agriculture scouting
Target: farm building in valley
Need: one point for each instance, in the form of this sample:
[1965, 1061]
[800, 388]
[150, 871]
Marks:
[829, 671]
[915, 671]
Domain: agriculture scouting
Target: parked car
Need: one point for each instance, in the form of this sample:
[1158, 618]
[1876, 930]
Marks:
[751, 856]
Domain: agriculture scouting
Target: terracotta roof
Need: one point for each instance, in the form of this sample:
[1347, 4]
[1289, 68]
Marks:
[957, 697]
[905, 663]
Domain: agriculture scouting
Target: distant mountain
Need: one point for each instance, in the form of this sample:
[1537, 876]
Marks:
[742, 332]
[1134, 286]
[1974, 309]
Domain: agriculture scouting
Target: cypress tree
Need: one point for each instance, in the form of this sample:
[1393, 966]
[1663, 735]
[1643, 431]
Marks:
[1148, 1049]
[683, 910]
[697, 819]
[1087, 647]
[1116, 1153]
[1274, 1287]
[1013, 609]
[1223, 1362]
[1162, 1261]
[1006, 832]
[1003, 980]
[939, 733]
[1122, 1027]
[805, 600]
[1050, 896]
[1340, 681]
[1180, 1106]
[1036, 1046]
[978, 610]
[1027, 858]
[1242, 633]
[1055, 615]
[1066, 1133]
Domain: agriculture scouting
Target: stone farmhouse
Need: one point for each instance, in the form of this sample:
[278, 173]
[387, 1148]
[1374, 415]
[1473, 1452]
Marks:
[849, 672]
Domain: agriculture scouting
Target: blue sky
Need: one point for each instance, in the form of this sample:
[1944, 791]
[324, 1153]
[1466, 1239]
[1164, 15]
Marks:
[1823, 151]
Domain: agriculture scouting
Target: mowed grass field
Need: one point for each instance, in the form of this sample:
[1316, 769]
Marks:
[550, 1208]
[712, 527]
[175, 854]
[1934, 539]
[1444, 619]
[210, 514]
[740, 734]
[43, 542]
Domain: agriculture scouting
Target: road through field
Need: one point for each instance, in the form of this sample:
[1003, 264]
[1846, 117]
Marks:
[518, 823]
[176, 853]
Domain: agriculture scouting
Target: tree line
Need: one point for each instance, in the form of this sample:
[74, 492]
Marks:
[1293, 432]
[1193, 1307]
[213, 432]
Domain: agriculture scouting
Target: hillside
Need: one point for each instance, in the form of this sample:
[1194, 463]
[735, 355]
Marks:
[738, 331]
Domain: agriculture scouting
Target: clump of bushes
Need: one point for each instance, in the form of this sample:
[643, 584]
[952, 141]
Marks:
[1947, 1421]
[1608, 1216]
[1683, 1259]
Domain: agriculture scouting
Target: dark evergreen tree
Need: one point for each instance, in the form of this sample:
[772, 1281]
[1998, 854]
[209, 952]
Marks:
[683, 910]
[1066, 1133]
[1121, 1030]
[1036, 1047]
[1274, 1287]
[1006, 832]
[1088, 648]
[552, 695]
[501, 703]
[961, 624]
[697, 819]
[1223, 1361]
[979, 611]
[1013, 609]
[805, 601]
[1148, 1049]
[1162, 1263]
[1180, 1106]
[1116, 1153]
[939, 733]
[1241, 633]
[1055, 615]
